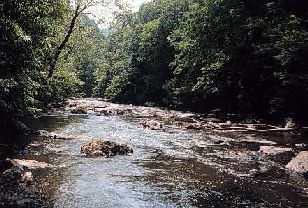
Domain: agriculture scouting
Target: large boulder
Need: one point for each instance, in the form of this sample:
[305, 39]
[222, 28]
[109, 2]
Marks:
[105, 148]
[299, 164]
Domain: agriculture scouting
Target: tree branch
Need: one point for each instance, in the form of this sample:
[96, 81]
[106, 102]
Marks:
[69, 33]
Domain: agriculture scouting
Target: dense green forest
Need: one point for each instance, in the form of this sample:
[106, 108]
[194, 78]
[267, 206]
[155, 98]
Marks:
[246, 57]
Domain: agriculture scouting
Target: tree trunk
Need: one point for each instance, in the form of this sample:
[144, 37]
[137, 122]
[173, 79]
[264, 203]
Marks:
[69, 33]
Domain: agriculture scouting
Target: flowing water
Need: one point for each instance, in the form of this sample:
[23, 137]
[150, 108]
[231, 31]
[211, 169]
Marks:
[180, 168]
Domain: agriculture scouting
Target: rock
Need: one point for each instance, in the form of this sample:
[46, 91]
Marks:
[43, 133]
[149, 104]
[225, 125]
[54, 135]
[290, 125]
[31, 164]
[212, 125]
[59, 104]
[299, 164]
[19, 189]
[272, 150]
[111, 111]
[265, 172]
[99, 109]
[153, 125]
[79, 110]
[186, 117]
[301, 145]
[195, 126]
[27, 177]
[211, 119]
[72, 105]
[107, 111]
[258, 126]
[60, 136]
[105, 148]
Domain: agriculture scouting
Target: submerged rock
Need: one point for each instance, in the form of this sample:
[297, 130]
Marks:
[105, 148]
[299, 164]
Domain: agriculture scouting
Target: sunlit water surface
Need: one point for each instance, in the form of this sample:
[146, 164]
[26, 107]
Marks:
[168, 168]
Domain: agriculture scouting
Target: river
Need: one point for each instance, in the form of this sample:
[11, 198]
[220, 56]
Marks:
[175, 168]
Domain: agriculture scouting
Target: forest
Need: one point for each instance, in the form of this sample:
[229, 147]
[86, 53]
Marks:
[173, 103]
[243, 57]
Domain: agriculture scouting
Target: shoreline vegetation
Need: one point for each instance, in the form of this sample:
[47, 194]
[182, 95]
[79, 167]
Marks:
[229, 67]
[226, 57]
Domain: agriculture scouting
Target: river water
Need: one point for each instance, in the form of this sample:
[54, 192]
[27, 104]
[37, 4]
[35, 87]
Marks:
[179, 168]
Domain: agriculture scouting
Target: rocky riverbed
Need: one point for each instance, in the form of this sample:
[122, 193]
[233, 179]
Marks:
[157, 118]
[152, 157]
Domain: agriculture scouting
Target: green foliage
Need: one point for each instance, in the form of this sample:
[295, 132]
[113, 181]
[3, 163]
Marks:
[242, 56]
[25, 42]
[139, 53]
[30, 32]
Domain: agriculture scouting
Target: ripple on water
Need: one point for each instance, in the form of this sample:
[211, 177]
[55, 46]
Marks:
[167, 169]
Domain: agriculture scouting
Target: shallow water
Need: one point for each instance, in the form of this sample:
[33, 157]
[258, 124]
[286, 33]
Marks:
[168, 168]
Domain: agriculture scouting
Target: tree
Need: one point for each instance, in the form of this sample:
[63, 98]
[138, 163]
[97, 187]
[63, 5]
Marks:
[24, 43]
[30, 33]
[197, 54]
[80, 6]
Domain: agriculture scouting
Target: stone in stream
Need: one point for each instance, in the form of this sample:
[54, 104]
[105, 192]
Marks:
[152, 124]
[299, 164]
[30, 164]
[290, 124]
[58, 136]
[96, 148]
[62, 137]
[272, 150]
[112, 110]
[79, 110]
[194, 126]
[186, 117]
